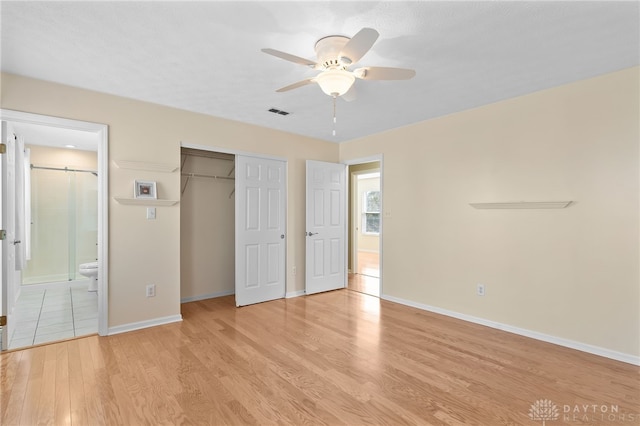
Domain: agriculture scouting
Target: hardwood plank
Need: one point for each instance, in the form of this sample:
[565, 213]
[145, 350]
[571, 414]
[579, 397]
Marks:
[47, 398]
[333, 358]
[9, 366]
[77, 401]
[13, 383]
[92, 395]
[30, 406]
[62, 401]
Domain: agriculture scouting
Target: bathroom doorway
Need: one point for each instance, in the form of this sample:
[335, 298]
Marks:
[65, 225]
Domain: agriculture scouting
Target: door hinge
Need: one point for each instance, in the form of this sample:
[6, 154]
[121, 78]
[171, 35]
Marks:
[3, 148]
[3, 321]
[3, 234]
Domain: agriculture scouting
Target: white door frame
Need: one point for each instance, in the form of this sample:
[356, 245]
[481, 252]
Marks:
[8, 259]
[101, 131]
[356, 216]
[371, 159]
[184, 144]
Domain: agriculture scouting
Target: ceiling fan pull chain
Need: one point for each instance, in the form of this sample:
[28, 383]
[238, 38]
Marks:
[334, 115]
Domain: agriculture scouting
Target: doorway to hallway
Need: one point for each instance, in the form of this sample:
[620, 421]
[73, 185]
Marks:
[365, 227]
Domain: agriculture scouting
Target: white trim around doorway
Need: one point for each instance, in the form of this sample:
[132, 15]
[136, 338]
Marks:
[102, 133]
[210, 148]
[371, 159]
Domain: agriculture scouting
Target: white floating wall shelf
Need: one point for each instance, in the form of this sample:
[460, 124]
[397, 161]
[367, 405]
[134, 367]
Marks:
[144, 165]
[523, 205]
[145, 201]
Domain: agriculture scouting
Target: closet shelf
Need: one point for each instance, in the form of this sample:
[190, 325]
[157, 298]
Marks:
[523, 205]
[144, 165]
[144, 201]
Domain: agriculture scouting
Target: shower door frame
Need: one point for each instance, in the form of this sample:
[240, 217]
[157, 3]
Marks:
[101, 132]
[71, 203]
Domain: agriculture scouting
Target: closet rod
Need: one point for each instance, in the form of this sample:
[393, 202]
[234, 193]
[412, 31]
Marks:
[66, 169]
[207, 176]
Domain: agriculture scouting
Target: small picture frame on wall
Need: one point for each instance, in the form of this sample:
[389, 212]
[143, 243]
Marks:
[145, 189]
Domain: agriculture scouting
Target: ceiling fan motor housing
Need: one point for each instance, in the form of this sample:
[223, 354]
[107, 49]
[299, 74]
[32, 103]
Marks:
[328, 51]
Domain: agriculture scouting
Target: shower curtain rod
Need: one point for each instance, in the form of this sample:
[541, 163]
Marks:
[66, 169]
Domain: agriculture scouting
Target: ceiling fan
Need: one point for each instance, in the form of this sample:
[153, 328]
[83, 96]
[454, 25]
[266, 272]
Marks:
[335, 55]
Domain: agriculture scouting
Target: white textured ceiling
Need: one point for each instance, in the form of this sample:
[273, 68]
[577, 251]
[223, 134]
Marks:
[205, 56]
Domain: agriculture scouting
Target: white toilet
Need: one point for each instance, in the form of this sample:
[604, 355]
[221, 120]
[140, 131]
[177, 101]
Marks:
[90, 270]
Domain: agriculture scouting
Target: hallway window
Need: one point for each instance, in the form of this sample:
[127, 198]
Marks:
[371, 212]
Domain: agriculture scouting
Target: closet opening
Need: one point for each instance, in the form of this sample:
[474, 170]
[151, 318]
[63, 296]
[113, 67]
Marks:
[207, 224]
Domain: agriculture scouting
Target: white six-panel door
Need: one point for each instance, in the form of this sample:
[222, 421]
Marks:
[326, 226]
[260, 229]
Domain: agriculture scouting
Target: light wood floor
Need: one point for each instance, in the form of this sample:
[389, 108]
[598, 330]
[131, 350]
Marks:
[364, 284]
[369, 263]
[366, 279]
[333, 358]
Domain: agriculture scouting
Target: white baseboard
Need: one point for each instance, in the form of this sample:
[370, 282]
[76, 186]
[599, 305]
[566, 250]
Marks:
[143, 324]
[596, 350]
[207, 296]
[291, 294]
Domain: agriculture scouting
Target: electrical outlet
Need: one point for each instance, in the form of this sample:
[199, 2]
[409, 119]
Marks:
[151, 290]
[294, 271]
[480, 289]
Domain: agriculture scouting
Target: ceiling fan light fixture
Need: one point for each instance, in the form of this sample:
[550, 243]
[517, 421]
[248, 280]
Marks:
[335, 82]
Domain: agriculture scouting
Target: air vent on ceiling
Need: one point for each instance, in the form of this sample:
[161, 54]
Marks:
[278, 111]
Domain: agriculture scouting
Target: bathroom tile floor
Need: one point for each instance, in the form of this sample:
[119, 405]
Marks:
[47, 315]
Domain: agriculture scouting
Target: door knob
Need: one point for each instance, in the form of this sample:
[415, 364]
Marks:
[16, 242]
[310, 234]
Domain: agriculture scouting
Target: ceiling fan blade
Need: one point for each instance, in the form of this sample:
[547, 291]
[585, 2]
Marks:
[296, 85]
[291, 58]
[358, 45]
[384, 73]
[351, 95]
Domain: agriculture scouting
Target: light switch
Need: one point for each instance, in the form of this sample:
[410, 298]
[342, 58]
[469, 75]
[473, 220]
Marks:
[151, 212]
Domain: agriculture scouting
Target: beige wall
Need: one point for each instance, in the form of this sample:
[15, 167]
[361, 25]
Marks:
[571, 273]
[56, 157]
[144, 251]
[207, 230]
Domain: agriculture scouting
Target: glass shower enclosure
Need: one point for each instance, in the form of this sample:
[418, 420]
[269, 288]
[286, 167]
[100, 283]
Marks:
[64, 224]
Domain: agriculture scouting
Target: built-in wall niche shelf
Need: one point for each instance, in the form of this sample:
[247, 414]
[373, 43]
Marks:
[144, 165]
[145, 201]
[523, 205]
